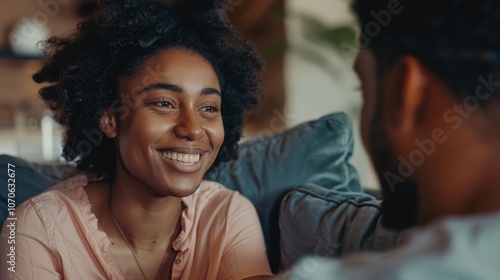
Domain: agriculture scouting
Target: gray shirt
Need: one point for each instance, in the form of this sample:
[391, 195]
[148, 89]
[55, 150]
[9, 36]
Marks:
[462, 248]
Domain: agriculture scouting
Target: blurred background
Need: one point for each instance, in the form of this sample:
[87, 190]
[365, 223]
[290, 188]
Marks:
[308, 46]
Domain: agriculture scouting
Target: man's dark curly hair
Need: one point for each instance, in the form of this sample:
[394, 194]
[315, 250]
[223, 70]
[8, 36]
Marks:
[458, 40]
[83, 69]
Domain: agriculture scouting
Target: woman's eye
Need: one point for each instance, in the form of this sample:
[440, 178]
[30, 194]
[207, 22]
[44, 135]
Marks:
[210, 109]
[163, 103]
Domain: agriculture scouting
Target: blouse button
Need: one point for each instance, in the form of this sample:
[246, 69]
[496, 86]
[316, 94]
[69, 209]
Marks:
[178, 262]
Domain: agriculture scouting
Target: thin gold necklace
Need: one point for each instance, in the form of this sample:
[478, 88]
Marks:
[132, 251]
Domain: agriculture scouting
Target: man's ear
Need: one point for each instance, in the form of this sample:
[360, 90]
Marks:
[108, 124]
[405, 86]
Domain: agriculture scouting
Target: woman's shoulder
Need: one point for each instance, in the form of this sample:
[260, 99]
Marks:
[57, 199]
[66, 188]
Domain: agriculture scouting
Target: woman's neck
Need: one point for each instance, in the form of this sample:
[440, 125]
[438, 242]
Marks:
[146, 221]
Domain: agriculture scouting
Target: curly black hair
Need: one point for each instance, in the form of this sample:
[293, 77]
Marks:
[458, 40]
[83, 69]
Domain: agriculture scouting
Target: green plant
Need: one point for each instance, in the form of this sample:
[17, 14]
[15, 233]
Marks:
[335, 38]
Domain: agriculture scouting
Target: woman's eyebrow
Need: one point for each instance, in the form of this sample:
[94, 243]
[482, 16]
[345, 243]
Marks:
[210, 91]
[164, 86]
[177, 89]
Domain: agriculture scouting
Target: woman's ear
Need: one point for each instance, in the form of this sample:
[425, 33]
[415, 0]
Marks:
[108, 123]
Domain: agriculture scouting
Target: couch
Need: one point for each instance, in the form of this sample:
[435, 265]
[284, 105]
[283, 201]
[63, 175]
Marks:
[306, 193]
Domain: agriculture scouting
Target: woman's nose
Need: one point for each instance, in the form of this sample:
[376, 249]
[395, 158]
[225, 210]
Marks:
[188, 126]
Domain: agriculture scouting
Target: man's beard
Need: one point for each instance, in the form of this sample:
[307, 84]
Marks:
[400, 194]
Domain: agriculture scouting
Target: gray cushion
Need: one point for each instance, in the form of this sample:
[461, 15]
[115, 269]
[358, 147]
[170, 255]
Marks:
[332, 222]
[267, 169]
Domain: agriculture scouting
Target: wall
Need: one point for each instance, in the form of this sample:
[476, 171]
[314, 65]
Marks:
[313, 91]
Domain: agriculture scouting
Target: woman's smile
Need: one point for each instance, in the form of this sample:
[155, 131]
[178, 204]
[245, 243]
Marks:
[188, 159]
[184, 160]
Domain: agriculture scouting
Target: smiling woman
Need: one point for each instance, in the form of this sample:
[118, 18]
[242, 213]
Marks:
[151, 94]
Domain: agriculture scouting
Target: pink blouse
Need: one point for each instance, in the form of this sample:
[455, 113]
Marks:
[57, 237]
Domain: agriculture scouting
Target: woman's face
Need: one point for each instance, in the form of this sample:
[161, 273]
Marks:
[173, 131]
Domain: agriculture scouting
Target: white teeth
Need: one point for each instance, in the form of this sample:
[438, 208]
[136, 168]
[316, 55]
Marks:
[184, 158]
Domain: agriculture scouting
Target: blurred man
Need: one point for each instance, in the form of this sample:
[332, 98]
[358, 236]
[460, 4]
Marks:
[430, 73]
